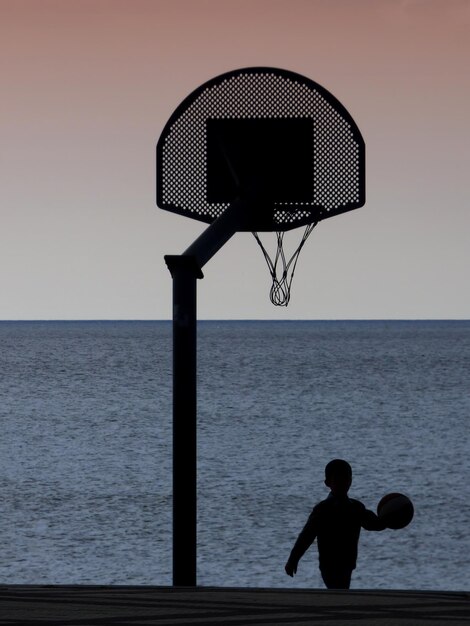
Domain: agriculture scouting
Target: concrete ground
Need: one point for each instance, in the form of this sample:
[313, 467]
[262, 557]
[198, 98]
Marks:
[143, 606]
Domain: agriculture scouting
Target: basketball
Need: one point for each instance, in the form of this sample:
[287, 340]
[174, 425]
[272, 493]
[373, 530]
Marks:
[395, 510]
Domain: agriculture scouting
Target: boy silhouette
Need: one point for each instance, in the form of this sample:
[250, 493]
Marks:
[336, 524]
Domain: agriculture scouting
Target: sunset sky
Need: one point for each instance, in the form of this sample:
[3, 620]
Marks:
[87, 86]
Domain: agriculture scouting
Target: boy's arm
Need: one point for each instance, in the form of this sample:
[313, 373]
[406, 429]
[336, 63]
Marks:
[371, 521]
[303, 543]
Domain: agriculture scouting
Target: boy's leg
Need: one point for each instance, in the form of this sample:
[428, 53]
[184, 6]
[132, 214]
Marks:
[337, 579]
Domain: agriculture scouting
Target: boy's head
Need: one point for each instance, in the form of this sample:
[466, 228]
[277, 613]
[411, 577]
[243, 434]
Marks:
[338, 476]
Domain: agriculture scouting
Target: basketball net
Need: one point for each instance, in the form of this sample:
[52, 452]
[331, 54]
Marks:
[281, 269]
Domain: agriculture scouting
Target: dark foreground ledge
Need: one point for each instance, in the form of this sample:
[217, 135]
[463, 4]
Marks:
[139, 606]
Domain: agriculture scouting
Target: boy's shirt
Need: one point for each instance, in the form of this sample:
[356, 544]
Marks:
[336, 524]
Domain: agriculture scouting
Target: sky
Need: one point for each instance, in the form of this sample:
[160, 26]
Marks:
[88, 85]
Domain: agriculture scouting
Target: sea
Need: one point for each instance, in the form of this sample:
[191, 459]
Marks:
[86, 439]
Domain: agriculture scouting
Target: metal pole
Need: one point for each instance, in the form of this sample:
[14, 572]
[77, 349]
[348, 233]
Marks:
[218, 233]
[184, 272]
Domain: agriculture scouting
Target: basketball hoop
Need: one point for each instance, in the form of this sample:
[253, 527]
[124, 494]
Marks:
[282, 270]
[260, 150]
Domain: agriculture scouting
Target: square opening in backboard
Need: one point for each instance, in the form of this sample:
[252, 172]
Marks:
[275, 154]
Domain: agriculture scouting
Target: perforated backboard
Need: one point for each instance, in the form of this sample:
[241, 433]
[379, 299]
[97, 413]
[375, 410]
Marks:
[270, 128]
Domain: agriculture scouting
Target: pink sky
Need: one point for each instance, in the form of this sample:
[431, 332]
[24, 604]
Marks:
[88, 85]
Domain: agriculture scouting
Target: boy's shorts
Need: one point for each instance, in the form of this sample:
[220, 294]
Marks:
[337, 578]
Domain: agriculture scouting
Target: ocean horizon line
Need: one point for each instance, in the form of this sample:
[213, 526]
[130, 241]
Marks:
[247, 319]
[232, 320]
